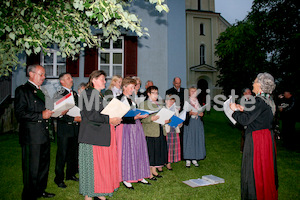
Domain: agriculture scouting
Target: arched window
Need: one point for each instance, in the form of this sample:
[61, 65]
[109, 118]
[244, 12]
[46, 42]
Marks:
[201, 29]
[202, 54]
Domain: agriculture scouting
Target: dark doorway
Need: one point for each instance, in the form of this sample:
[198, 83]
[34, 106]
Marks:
[202, 84]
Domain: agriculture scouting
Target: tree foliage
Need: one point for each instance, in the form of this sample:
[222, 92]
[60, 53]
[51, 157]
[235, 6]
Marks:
[34, 25]
[267, 40]
[239, 54]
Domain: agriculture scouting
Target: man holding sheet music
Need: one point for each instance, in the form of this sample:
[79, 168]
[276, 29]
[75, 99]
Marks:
[67, 136]
[34, 135]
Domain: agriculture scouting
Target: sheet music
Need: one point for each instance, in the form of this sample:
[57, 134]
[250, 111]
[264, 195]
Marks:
[74, 112]
[65, 103]
[182, 115]
[115, 108]
[139, 100]
[173, 107]
[188, 107]
[164, 114]
[228, 111]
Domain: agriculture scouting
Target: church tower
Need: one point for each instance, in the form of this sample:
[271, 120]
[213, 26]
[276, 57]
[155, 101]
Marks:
[208, 5]
[203, 27]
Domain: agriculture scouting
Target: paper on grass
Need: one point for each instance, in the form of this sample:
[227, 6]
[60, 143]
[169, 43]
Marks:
[227, 110]
[164, 114]
[115, 108]
[204, 181]
[213, 179]
[65, 103]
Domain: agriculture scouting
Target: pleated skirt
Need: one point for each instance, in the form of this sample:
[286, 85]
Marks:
[132, 152]
[194, 140]
[157, 149]
[98, 169]
[173, 143]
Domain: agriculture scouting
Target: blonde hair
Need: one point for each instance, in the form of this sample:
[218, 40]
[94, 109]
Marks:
[113, 80]
[137, 79]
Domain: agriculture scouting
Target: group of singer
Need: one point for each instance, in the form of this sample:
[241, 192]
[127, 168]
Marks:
[133, 149]
[111, 150]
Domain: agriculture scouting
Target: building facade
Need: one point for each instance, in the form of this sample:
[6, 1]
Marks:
[181, 43]
[203, 27]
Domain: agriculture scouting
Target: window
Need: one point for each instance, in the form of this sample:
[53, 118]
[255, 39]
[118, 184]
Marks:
[199, 4]
[202, 54]
[111, 58]
[201, 29]
[54, 64]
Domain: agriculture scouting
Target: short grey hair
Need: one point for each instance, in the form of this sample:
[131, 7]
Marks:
[82, 85]
[31, 68]
[267, 83]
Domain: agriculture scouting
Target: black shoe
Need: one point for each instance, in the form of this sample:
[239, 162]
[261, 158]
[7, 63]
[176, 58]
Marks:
[131, 188]
[72, 178]
[153, 179]
[96, 198]
[47, 195]
[160, 170]
[158, 176]
[61, 185]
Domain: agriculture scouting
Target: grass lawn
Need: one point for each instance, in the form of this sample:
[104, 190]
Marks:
[223, 159]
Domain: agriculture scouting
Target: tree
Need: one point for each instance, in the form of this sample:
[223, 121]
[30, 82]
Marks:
[239, 54]
[269, 42]
[278, 24]
[34, 25]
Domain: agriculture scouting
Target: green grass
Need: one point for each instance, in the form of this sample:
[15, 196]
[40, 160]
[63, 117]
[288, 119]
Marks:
[223, 160]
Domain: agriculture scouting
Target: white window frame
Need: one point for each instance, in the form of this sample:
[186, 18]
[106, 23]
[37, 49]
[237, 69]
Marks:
[111, 51]
[53, 50]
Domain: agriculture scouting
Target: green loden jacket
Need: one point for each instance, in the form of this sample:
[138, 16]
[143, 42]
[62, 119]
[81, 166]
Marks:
[151, 129]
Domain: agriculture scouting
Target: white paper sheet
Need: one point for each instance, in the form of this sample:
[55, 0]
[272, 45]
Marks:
[188, 107]
[206, 180]
[228, 111]
[164, 114]
[139, 100]
[115, 108]
[74, 112]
